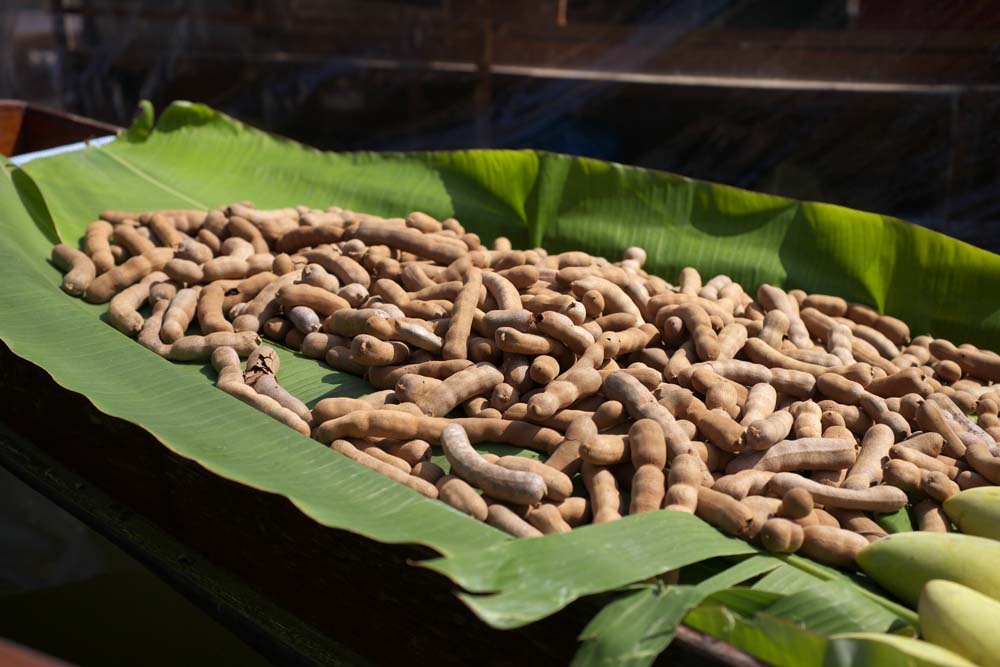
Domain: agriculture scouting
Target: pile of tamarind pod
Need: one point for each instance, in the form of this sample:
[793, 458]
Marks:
[787, 419]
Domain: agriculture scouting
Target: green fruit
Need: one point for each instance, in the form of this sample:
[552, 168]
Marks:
[872, 648]
[904, 562]
[976, 511]
[962, 620]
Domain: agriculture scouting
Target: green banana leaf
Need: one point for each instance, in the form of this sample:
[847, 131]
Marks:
[197, 157]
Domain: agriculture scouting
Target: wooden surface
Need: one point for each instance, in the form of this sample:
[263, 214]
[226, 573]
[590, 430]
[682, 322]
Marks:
[26, 127]
[318, 595]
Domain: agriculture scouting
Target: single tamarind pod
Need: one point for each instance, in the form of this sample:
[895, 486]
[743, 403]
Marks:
[516, 486]
[616, 322]
[339, 357]
[560, 394]
[503, 291]
[347, 270]
[242, 228]
[763, 433]
[655, 357]
[593, 303]
[319, 300]
[876, 339]
[831, 418]
[808, 454]
[543, 369]
[306, 320]
[854, 418]
[460, 495]
[876, 408]
[276, 329]
[832, 546]
[681, 498]
[922, 461]
[616, 300]
[413, 452]
[647, 376]
[386, 377]
[731, 339]
[547, 519]
[412, 388]
[903, 475]
[743, 483]
[130, 237]
[875, 449]
[103, 287]
[513, 341]
[522, 320]
[457, 388]
[937, 485]
[840, 388]
[875, 499]
[561, 328]
[833, 306]
[605, 449]
[948, 371]
[503, 518]
[978, 363]
[774, 328]
[957, 418]
[929, 516]
[423, 222]
[331, 408]
[428, 471]
[558, 486]
[317, 276]
[605, 499]
[194, 251]
[97, 245]
[858, 522]
[521, 277]
[412, 332]
[210, 240]
[566, 457]
[983, 461]
[226, 362]
[696, 321]
[417, 484]
[710, 290]
[928, 443]
[235, 248]
[892, 328]
[389, 290]
[456, 338]
[813, 355]
[164, 230]
[967, 479]
[503, 396]
[908, 407]
[309, 236]
[774, 298]
[796, 503]
[371, 351]
[689, 280]
[808, 422]
[648, 489]
[724, 512]
[930, 417]
[839, 341]
[414, 278]
[647, 445]
[224, 267]
[703, 378]
[904, 382]
[355, 294]
[781, 536]
[123, 310]
[640, 403]
[437, 248]
[375, 451]
[763, 508]
[717, 426]
[179, 315]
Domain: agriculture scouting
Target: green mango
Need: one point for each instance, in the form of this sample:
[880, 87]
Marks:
[962, 620]
[976, 511]
[904, 562]
[876, 649]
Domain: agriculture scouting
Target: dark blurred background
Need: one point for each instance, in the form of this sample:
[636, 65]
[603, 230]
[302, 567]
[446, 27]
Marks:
[884, 105]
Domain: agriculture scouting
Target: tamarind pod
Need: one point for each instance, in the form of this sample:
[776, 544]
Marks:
[129, 237]
[456, 338]
[123, 310]
[957, 418]
[339, 357]
[616, 300]
[264, 360]
[796, 503]
[267, 385]
[689, 281]
[210, 240]
[559, 327]
[881, 498]
[502, 518]
[724, 512]
[414, 452]
[814, 355]
[854, 418]
[648, 489]
[731, 339]
[566, 457]
[810, 454]
[513, 341]
[371, 351]
[832, 546]
[164, 230]
[316, 344]
[639, 403]
[983, 461]
[373, 450]
[462, 497]
[224, 267]
[522, 277]
[647, 445]
[760, 352]
[903, 475]
[929, 516]
[386, 377]
[317, 276]
[764, 433]
[503, 291]
[324, 303]
[520, 319]
[922, 461]
[807, 420]
[968, 479]
[840, 388]
[350, 451]
[192, 250]
[632, 340]
[681, 498]
[774, 327]
[97, 245]
[560, 394]
[762, 509]
[435, 248]
[276, 329]
[179, 314]
[717, 426]
[605, 449]
[309, 236]
[109, 283]
[781, 536]
[547, 519]
[877, 340]
[305, 320]
[901, 383]
[858, 522]
[743, 372]
[930, 417]
[833, 306]
[937, 485]
[893, 329]
[199, 348]
[575, 511]
[543, 369]
[616, 322]
[558, 485]
[230, 380]
[464, 384]
[605, 498]
[928, 443]
[878, 410]
[875, 449]
[346, 270]
[774, 298]
[744, 483]
[696, 321]
[760, 403]
[515, 486]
